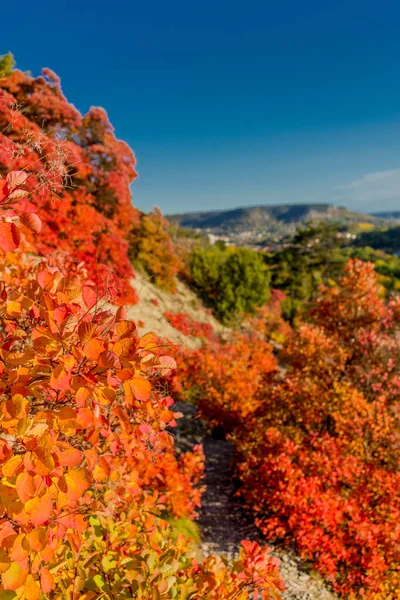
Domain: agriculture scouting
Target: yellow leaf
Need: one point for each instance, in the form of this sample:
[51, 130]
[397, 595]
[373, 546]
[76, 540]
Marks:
[11, 467]
[77, 481]
[31, 589]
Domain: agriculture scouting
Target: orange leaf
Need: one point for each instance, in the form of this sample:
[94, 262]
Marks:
[31, 589]
[26, 487]
[14, 577]
[47, 554]
[21, 548]
[125, 329]
[5, 560]
[11, 467]
[167, 416]
[85, 331]
[60, 379]
[70, 458]
[46, 581]
[13, 308]
[78, 481]
[45, 279]
[85, 417]
[39, 509]
[93, 348]
[9, 237]
[40, 461]
[149, 340]
[91, 457]
[82, 396]
[67, 420]
[38, 538]
[141, 388]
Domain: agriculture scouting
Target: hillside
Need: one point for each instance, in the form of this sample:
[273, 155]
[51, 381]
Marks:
[149, 313]
[271, 217]
[392, 214]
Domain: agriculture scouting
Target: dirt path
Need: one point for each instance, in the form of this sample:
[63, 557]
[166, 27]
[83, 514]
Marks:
[224, 523]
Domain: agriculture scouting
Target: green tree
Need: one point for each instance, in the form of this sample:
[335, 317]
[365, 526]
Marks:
[231, 281]
[315, 255]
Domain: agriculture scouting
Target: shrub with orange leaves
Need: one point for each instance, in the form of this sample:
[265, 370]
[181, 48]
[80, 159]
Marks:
[254, 575]
[224, 378]
[152, 246]
[88, 469]
[87, 464]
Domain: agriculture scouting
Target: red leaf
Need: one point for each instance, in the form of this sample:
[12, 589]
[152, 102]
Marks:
[89, 296]
[9, 237]
[121, 313]
[109, 360]
[167, 364]
[31, 221]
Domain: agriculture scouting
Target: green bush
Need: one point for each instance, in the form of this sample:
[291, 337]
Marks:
[231, 281]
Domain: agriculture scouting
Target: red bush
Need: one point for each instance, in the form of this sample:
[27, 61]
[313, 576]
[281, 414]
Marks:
[189, 326]
[319, 445]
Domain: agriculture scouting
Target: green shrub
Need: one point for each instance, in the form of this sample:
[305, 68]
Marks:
[231, 281]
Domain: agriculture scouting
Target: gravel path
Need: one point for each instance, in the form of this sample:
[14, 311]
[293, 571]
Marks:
[224, 522]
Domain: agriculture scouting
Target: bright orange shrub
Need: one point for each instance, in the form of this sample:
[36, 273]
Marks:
[152, 247]
[87, 466]
[88, 469]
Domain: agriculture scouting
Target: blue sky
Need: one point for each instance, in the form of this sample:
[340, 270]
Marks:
[233, 103]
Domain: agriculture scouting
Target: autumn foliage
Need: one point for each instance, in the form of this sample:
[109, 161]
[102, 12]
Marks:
[78, 161]
[152, 246]
[89, 476]
[318, 444]
[185, 324]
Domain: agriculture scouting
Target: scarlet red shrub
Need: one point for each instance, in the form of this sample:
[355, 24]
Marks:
[318, 445]
[78, 159]
[184, 323]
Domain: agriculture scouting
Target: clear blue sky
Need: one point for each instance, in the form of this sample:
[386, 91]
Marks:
[232, 103]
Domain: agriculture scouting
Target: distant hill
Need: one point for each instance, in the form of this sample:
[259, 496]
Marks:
[392, 214]
[269, 216]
